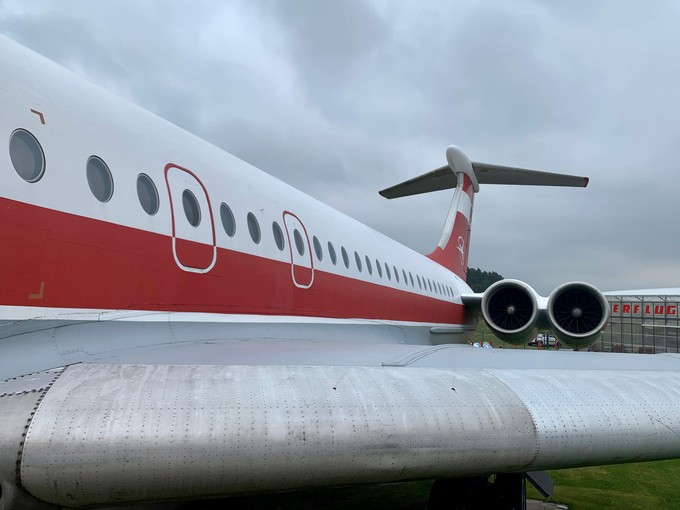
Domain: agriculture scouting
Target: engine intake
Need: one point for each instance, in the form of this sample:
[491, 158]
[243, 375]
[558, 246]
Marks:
[510, 309]
[577, 313]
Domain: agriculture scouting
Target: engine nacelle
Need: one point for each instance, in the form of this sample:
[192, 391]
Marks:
[577, 314]
[510, 310]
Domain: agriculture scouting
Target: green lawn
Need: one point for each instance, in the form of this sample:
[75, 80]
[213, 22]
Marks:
[622, 487]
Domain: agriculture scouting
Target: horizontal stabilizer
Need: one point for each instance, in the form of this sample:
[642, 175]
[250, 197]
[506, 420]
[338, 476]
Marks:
[444, 178]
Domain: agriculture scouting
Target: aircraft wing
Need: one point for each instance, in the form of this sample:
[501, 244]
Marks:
[204, 419]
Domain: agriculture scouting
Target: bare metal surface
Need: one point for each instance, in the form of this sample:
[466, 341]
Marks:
[129, 433]
[599, 417]
[29, 383]
[19, 398]
[119, 433]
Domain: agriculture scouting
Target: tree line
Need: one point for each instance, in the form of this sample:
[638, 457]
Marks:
[479, 280]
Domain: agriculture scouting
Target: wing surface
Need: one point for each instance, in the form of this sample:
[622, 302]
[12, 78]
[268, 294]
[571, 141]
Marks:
[212, 418]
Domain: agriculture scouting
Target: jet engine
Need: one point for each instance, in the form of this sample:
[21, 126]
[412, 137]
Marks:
[510, 310]
[576, 312]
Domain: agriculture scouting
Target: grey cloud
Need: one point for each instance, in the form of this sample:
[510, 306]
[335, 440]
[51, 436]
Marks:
[341, 99]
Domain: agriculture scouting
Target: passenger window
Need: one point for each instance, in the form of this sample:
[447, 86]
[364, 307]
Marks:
[396, 273]
[228, 221]
[410, 277]
[147, 194]
[99, 179]
[299, 243]
[357, 259]
[419, 284]
[317, 249]
[369, 267]
[28, 158]
[254, 228]
[429, 283]
[345, 257]
[378, 267]
[278, 236]
[403, 273]
[191, 208]
[387, 270]
[331, 252]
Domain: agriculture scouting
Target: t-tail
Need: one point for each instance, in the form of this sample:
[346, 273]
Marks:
[575, 312]
[466, 176]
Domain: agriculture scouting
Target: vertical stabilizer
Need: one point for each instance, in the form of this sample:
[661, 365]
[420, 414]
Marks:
[454, 245]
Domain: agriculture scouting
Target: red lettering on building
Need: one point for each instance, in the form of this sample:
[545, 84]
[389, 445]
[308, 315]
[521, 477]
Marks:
[645, 310]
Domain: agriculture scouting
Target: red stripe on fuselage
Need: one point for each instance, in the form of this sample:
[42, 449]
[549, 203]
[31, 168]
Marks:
[88, 263]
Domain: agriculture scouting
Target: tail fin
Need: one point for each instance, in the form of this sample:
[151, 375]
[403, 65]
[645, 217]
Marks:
[466, 176]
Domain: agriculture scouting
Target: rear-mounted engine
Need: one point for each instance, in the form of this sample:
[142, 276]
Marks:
[576, 312]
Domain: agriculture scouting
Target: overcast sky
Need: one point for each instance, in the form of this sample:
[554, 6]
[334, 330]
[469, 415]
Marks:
[344, 98]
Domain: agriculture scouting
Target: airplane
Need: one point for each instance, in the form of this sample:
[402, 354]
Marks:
[178, 325]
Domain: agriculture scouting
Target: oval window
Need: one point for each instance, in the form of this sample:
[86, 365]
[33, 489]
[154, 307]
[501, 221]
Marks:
[27, 155]
[396, 273]
[191, 208]
[99, 179]
[420, 285]
[331, 252]
[278, 236]
[378, 267]
[357, 259]
[254, 228]
[317, 249]
[147, 194]
[345, 257]
[228, 221]
[403, 272]
[410, 277]
[369, 268]
[387, 270]
[299, 243]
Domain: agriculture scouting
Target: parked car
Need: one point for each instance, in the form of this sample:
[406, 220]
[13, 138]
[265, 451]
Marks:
[543, 340]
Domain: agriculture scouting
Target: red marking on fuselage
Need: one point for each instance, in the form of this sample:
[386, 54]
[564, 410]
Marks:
[96, 264]
[190, 253]
[40, 115]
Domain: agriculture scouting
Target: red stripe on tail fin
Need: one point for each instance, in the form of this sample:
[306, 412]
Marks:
[454, 245]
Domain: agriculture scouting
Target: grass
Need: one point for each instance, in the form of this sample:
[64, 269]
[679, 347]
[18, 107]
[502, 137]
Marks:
[622, 487]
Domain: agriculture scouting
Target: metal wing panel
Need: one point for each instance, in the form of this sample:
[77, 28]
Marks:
[119, 433]
[116, 433]
[591, 417]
